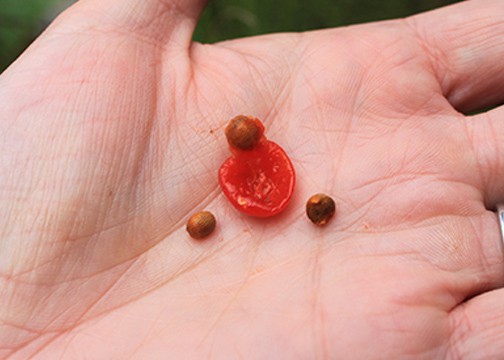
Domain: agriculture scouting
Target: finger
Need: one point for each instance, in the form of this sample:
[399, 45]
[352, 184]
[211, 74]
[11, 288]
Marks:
[485, 135]
[464, 45]
[155, 20]
[478, 328]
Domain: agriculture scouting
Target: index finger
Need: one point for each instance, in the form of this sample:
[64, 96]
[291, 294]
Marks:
[465, 46]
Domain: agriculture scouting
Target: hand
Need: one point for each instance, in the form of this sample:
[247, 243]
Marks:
[112, 135]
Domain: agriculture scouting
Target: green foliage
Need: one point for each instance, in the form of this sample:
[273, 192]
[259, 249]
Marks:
[22, 20]
[227, 19]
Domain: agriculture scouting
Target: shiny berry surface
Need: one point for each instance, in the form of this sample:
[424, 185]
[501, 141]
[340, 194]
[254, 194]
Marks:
[259, 181]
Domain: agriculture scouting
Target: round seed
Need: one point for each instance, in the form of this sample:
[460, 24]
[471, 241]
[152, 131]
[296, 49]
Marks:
[201, 224]
[320, 208]
[244, 132]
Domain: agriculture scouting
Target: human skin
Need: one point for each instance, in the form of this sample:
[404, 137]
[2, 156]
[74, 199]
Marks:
[112, 133]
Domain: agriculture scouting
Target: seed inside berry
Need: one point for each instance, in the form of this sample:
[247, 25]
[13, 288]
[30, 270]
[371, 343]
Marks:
[320, 208]
[244, 132]
[201, 224]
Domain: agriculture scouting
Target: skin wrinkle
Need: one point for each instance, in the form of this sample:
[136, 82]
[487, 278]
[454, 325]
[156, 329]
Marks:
[13, 352]
[255, 245]
[434, 55]
[141, 160]
[397, 177]
[39, 349]
[246, 61]
[460, 325]
[406, 60]
[497, 156]
[54, 324]
[39, 216]
[376, 201]
[334, 164]
[84, 238]
[470, 136]
[279, 264]
[260, 83]
[319, 341]
[483, 162]
[492, 143]
[17, 327]
[14, 278]
[275, 92]
[482, 260]
[492, 261]
[288, 224]
[377, 248]
[343, 142]
[353, 229]
[476, 283]
[217, 109]
[108, 290]
[362, 33]
[242, 285]
[66, 350]
[196, 263]
[351, 122]
[13, 348]
[28, 342]
[62, 255]
[283, 92]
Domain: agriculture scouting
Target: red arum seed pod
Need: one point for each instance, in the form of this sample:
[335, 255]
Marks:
[259, 178]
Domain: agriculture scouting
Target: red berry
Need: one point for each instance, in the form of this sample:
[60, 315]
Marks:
[259, 178]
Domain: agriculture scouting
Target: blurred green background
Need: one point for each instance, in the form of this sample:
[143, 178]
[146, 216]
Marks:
[23, 20]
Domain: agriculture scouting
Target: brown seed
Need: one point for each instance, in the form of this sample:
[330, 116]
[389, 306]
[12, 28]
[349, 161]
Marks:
[244, 132]
[320, 208]
[201, 224]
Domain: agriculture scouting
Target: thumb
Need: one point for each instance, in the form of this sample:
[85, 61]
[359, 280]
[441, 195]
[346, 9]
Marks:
[160, 21]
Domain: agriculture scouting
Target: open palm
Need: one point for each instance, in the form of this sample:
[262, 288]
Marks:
[111, 135]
